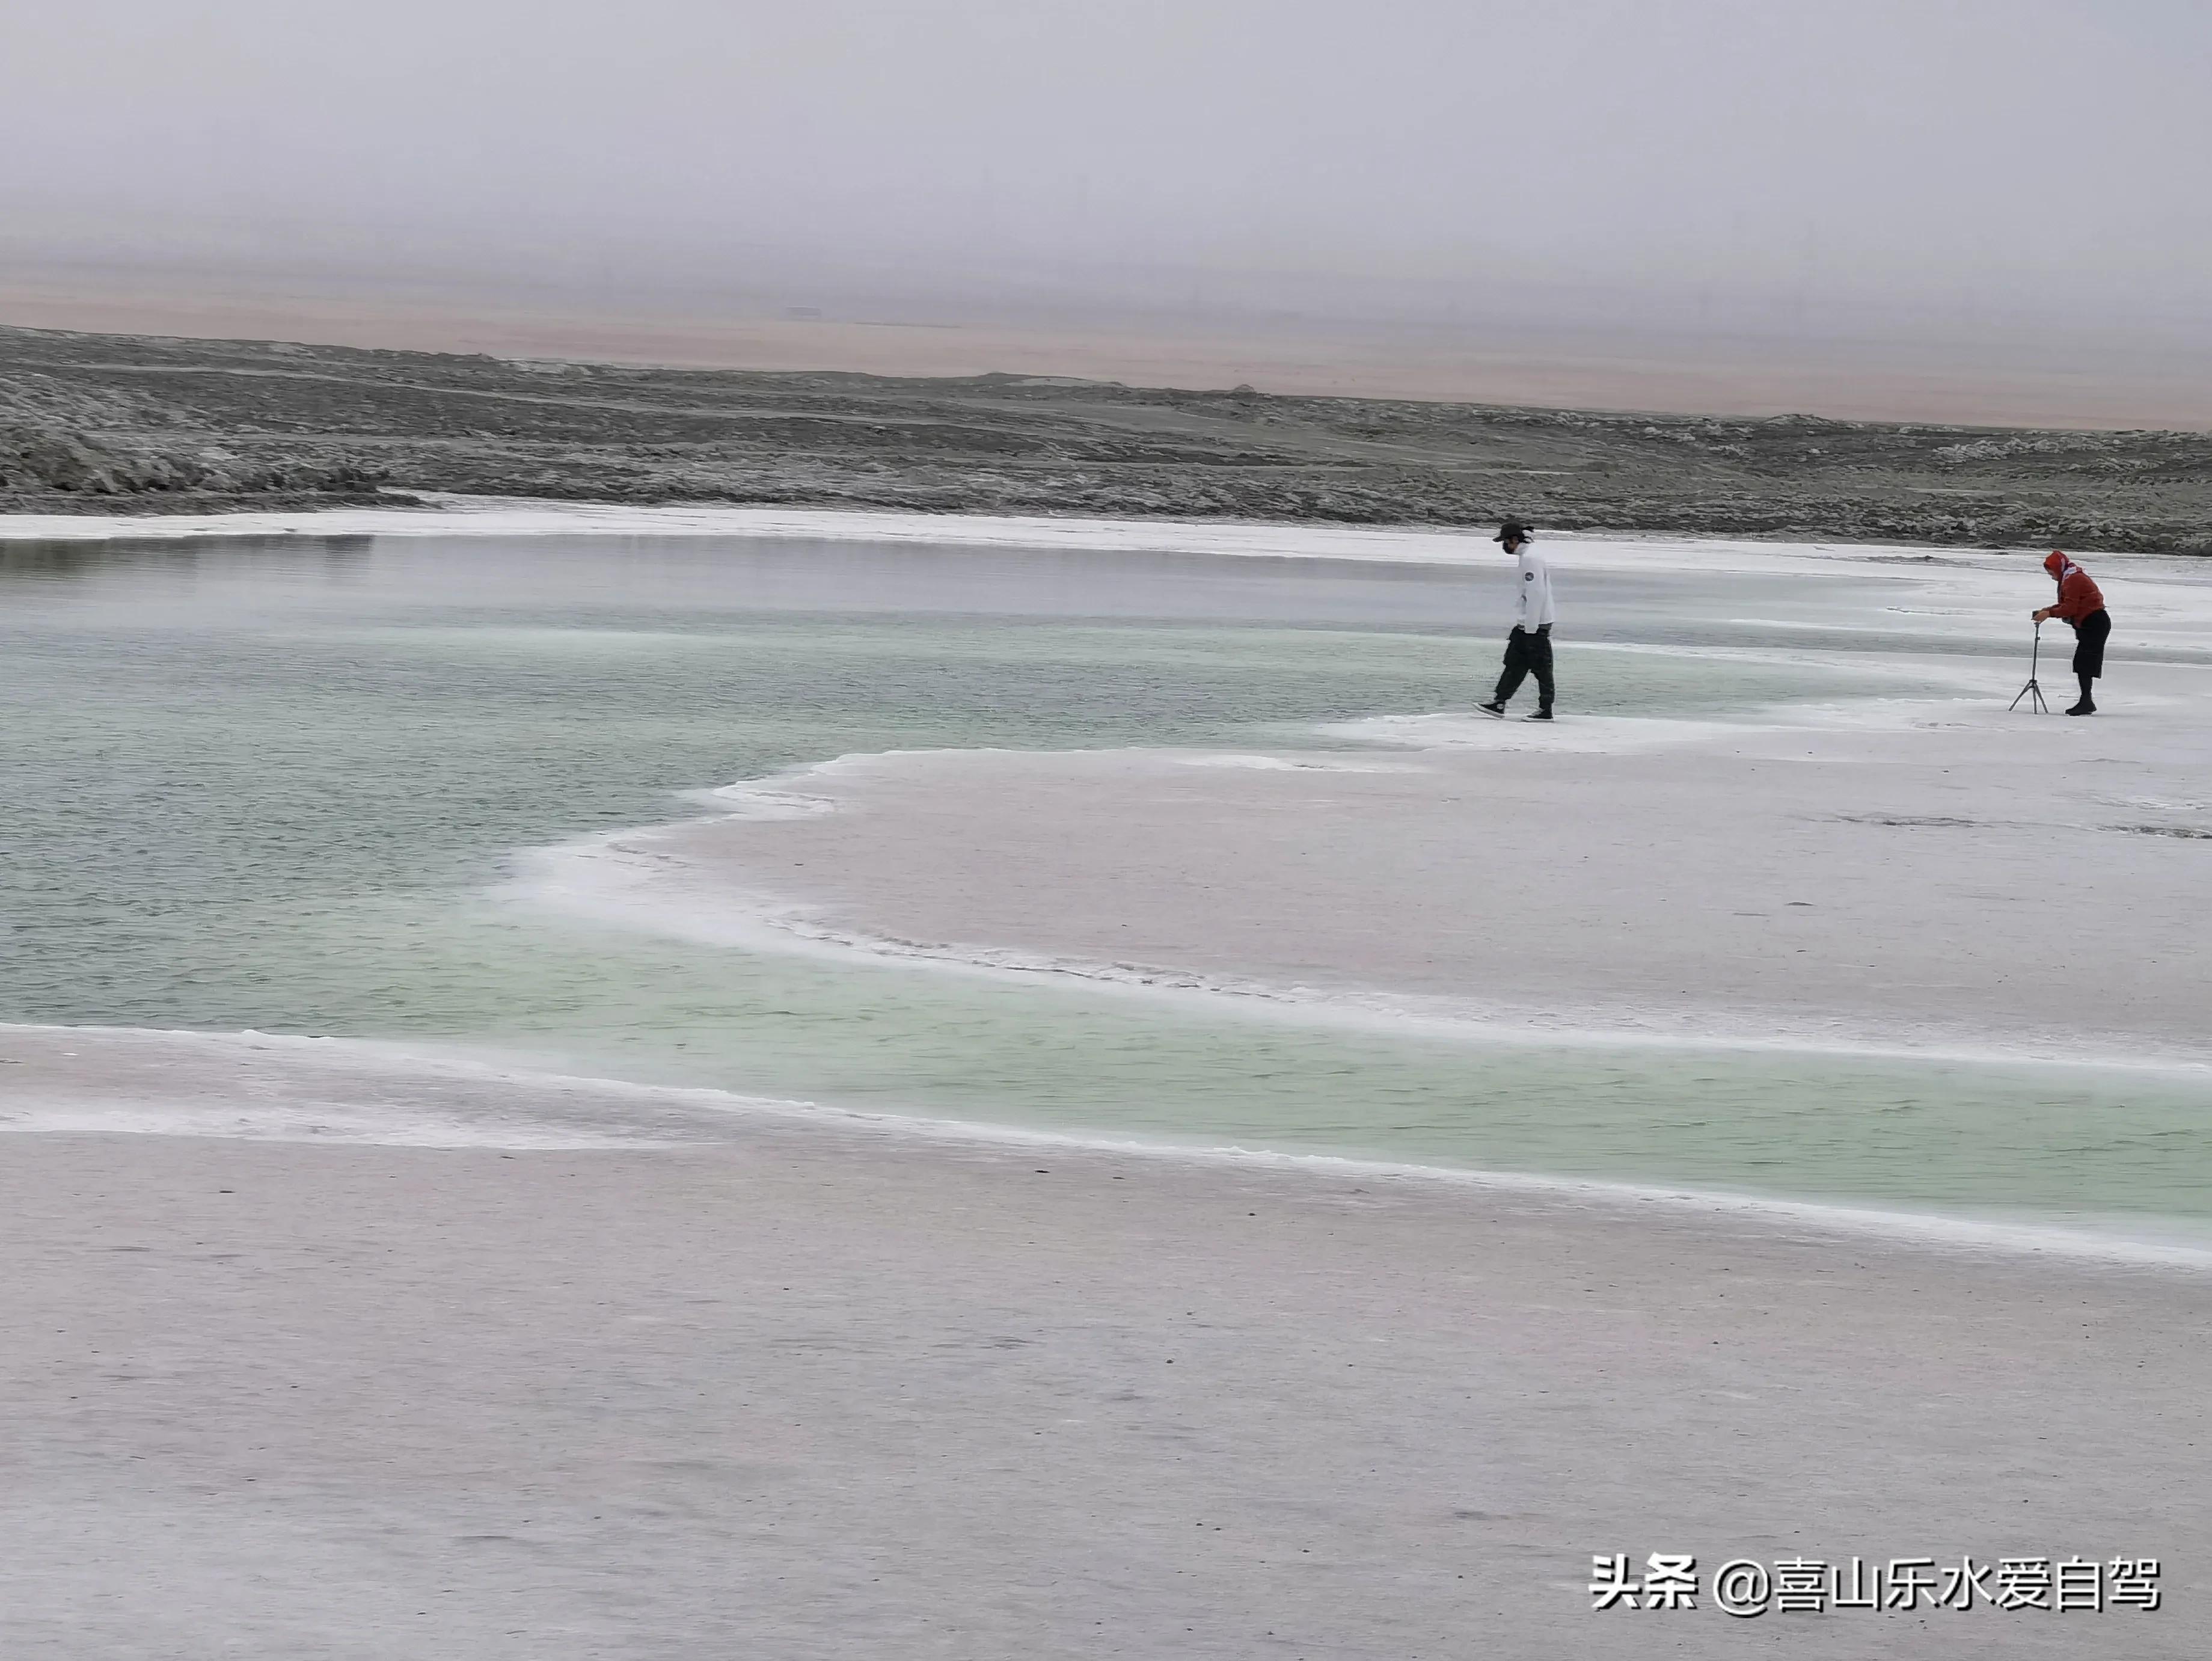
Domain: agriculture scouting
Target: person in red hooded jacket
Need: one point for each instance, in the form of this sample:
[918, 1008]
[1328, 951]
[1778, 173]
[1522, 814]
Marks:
[2081, 605]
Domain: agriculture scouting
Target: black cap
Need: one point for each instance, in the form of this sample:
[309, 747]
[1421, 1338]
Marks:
[1512, 531]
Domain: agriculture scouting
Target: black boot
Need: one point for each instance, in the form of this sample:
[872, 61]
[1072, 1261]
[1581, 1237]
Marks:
[2087, 706]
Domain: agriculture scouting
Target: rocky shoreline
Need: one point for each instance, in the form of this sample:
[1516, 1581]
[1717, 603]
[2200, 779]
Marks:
[109, 422]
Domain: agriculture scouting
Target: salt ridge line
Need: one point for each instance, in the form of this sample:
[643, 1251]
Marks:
[311, 1122]
[619, 878]
[479, 516]
[1612, 735]
[1975, 673]
[1908, 1227]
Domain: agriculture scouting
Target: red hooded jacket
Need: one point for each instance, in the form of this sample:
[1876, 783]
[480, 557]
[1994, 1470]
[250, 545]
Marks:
[2077, 595]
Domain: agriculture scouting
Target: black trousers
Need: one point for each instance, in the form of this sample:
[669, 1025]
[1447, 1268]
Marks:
[1526, 655]
[2089, 643]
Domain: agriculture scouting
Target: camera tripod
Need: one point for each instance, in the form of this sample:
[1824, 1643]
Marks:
[2034, 689]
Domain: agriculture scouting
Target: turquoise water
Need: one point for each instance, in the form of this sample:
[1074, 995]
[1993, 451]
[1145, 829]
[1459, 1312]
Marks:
[274, 784]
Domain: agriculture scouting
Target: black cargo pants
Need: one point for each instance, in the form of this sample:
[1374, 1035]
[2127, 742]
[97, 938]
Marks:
[1526, 655]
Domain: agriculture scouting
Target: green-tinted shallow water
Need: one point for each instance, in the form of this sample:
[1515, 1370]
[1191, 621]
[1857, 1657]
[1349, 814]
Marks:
[272, 787]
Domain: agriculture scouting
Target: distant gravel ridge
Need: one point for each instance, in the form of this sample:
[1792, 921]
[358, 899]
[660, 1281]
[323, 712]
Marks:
[107, 423]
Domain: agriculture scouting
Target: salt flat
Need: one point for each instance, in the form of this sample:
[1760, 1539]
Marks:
[1947, 877]
[766, 1382]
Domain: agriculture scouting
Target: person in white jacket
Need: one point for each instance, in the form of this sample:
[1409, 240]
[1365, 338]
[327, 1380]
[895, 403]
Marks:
[1528, 648]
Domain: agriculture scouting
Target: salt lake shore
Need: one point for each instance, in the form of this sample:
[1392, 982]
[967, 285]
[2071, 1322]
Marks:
[321, 1350]
[102, 424]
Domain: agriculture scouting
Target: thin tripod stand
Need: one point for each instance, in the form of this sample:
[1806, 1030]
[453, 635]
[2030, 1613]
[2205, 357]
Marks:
[2033, 690]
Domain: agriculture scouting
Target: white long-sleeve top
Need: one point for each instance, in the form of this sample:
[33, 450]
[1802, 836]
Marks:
[1535, 608]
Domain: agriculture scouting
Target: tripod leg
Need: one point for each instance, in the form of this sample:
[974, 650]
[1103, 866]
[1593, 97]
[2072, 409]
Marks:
[2033, 690]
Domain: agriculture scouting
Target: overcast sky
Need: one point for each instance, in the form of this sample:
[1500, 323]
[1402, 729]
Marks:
[1977, 157]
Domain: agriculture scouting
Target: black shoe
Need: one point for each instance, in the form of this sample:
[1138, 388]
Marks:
[2084, 707]
[1498, 710]
[1541, 715]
